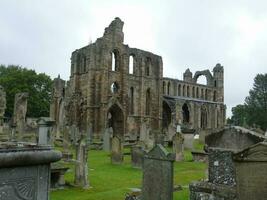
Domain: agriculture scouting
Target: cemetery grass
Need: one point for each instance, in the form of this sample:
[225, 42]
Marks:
[112, 182]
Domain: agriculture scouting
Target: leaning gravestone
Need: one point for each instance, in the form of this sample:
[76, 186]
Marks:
[25, 171]
[116, 150]
[158, 174]
[178, 146]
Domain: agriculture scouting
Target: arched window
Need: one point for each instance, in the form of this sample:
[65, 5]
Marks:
[197, 93]
[147, 66]
[131, 64]
[204, 118]
[214, 96]
[183, 90]
[215, 83]
[188, 91]
[163, 87]
[131, 100]
[206, 94]
[114, 88]
[168, 88]
[115, 61]
[193, 92]
[202, 80]
[186, 114]
[148, 101]
[179, 90]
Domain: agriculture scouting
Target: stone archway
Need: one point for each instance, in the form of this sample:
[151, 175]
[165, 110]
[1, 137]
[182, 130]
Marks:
[116, 120]
[166, 115]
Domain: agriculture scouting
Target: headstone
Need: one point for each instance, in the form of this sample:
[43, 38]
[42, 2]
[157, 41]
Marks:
[137, 154]
[45, 129]
[116, 150]
[234, 174]
[188, 138]
[251, 172]
[158, 174]
[20, 110]
[81, 167]
[106, 139]
[25, 171]
[178, 146]
[2, 107]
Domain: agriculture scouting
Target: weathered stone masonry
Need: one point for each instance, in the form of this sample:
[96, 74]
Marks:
[113, 85]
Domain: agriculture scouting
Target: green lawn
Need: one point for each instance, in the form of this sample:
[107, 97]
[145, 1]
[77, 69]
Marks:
[112, 182]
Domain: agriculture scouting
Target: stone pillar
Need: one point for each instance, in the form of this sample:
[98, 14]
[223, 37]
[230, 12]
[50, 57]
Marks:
[158, 174]
[106, 139]
[25, 171]
[178, 146]
[116, 150]
[81, 167]
[45, 129]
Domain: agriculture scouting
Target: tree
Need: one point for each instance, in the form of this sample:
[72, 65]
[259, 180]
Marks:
[256, 102]
[239, 115]
[254, 110]
[15, 79]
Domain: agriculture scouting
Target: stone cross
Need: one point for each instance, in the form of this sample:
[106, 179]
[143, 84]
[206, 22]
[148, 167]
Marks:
[178, 146]
[158, 174]
[116, 150]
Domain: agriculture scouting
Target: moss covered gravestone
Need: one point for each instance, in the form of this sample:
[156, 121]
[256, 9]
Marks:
[158, 174]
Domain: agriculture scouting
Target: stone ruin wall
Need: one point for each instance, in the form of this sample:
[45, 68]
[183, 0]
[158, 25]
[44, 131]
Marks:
[88, 97]
[205, 102]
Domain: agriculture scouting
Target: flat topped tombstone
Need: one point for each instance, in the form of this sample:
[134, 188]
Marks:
[24, 171]
[116, 150]
[45, 128]
[188, 137]
[178, 146]
[158, 174]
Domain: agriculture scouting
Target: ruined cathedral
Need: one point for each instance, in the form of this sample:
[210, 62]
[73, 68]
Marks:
[113, 86]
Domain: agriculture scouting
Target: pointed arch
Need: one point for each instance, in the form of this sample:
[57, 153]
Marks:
[186, 114]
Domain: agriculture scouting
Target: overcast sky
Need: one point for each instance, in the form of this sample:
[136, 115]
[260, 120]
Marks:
[195, 34]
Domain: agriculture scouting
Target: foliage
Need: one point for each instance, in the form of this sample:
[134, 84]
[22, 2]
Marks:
[253, 112]
[239, 115]
[16, 79]
[112, 182]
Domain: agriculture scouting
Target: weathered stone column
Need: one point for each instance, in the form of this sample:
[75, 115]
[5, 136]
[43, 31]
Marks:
[158, 174]
[178, 146]
[25, 171]
[45, 129]
[81, 167]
